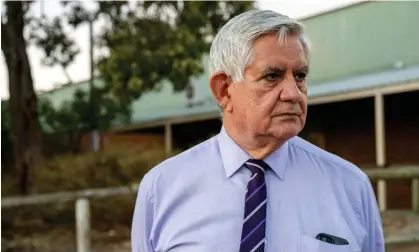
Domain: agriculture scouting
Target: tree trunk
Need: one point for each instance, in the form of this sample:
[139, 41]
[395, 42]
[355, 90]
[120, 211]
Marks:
[26, 132]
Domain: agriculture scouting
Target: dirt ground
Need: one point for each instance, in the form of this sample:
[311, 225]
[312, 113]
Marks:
[124, 246]
[398, 227]
[408, 247]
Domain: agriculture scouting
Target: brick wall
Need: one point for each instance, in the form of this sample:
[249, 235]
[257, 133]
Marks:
[127, 140]
[348, 131]
[402, 142]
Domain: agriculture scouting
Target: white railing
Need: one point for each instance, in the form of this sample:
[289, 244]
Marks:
[82, 206]
[82, 197]
[395, 173]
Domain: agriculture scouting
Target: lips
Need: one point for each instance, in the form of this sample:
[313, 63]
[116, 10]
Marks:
[287, 114]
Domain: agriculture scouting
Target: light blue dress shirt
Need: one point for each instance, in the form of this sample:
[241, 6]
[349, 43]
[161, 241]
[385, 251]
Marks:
[194, 202]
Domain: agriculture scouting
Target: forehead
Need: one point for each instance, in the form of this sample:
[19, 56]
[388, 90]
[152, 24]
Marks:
[269, 50]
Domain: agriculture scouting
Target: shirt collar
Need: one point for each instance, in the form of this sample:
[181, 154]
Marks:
[233, 157]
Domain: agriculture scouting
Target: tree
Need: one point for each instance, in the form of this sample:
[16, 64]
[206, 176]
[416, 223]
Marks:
[157, 40]
[26, 134]
[6, 137]
[19, 29]
[147, 42]
[146, 45]
[66, 125]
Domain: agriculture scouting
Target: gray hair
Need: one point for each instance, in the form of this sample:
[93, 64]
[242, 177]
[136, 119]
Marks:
[231, 49]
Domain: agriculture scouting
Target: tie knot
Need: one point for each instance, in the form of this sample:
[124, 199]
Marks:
[257, 165]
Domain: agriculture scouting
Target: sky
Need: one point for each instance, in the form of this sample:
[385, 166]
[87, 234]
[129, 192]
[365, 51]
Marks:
[47, 78]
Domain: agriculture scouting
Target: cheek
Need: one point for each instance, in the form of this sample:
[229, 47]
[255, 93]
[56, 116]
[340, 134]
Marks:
[254, 105]
[267, 103]
[238, 98]
[303, 105]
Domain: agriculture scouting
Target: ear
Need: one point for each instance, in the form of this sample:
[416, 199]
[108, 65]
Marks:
[219, 84]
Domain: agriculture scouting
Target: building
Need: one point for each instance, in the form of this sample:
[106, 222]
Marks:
[363, 94]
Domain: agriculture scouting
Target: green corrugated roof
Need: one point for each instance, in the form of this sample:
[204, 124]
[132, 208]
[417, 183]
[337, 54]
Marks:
[166, 104]
[335, 62]
[166, 97]
[353, 84]
[153, 105]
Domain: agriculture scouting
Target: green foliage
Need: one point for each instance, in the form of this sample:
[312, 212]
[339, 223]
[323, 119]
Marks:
[147, 42]
[50, 35]
[147, 45]
[94, 109]
[79, 113]
[111, 167]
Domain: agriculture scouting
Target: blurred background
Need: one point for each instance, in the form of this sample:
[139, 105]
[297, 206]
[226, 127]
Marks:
[94, 94]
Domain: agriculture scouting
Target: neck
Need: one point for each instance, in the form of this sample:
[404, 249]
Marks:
[257, 146]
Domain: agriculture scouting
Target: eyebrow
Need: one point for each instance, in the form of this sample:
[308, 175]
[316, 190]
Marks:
[277, 69]
[304, 69]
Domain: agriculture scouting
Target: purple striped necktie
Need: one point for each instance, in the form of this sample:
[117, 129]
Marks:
[254, 223]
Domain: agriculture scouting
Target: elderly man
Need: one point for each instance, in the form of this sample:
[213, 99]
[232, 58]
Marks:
[256, 186]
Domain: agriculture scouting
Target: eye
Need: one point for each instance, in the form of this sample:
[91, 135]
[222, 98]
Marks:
[272, 77]
[300, 76]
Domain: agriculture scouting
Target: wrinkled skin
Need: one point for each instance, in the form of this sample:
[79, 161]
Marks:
[269, 106]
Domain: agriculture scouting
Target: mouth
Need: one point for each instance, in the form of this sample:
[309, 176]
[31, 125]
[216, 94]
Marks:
[287, 114]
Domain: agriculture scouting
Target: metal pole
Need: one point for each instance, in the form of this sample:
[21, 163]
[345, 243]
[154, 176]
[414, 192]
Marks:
[91, 55]
[94, 136]
[168, 141]
[83, 225]
[42, 6]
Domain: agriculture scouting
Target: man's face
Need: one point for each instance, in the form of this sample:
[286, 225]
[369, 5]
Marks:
[272, 98]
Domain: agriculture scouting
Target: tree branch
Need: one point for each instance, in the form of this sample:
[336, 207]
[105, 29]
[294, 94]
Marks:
[67, 75]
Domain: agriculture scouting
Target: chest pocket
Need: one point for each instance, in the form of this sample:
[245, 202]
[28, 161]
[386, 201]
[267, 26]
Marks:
[308, 244]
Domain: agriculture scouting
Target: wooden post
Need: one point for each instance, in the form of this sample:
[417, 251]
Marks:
[168, 139]
[380, 148]
[83, 225]
[415, 195]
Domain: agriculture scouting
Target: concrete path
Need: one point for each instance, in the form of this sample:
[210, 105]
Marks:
[400, 226]
[401, 231]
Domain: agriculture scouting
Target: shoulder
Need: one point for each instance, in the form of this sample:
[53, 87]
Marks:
[327, 160]
[347, 179]
[180, 165]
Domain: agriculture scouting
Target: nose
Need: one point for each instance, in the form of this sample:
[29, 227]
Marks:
[290, 91]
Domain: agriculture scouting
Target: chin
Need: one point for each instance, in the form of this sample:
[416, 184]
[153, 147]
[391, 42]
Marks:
[286, 131]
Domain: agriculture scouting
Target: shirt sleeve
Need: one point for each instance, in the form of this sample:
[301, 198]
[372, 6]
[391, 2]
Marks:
[143, 218]
[374, 241]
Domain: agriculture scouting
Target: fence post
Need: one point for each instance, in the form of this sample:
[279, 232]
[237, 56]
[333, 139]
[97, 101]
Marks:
[382, 194]
[83, 225]
[168, 139]
[380, 148]
[415, 195]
